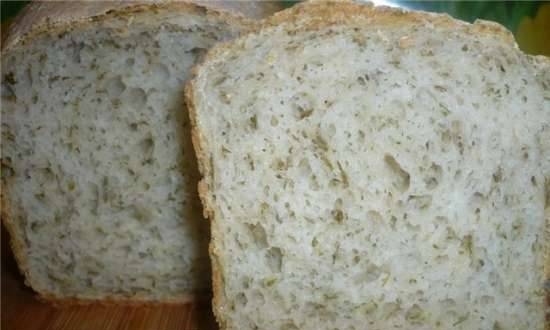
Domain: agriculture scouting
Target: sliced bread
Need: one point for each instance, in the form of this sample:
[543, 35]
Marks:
[98, 172]
[371, 168]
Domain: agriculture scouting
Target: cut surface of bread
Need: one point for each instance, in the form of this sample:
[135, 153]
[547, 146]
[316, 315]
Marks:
[368, 168]
[98, 172]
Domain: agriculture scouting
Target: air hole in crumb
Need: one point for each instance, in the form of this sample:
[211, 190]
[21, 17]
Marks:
[274, 258]
[115, 86]
[241, 299]
[371, 273]
[447, 303]
[8, 93]
[147, 146]
[142, 214]
[497, 176]
[253, 122]
[338, 215]
[314, 242]
[517, 227]
[415, 315]
[374, 216]
[257, 297]
[258, 235]
[279, 165]
[302, 105]
[420, 201]
[402, 178]
[136, 97]
[313, 183]
[246, 280]
[458, 174]
[477, 199]
[198, 52]
[434, 176]
[389, 309]
[442, 219]
[289, 326]
[331, 130]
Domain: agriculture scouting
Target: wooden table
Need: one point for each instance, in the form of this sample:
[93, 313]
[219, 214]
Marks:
[22, 311]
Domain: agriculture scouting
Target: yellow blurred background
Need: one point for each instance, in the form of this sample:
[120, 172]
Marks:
[533, 34]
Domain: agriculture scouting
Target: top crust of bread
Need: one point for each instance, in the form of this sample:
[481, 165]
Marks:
[57, 17]
[313, 16]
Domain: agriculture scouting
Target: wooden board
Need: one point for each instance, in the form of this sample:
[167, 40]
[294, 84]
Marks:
[22, 311]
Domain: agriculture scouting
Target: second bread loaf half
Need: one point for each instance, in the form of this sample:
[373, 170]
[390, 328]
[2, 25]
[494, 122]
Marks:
[98, 172]
[369, 168]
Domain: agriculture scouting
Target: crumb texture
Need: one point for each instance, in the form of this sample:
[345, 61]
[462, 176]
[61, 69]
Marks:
[375, 178]
[97, 163]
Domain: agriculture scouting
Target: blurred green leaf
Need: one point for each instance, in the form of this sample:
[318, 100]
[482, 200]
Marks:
[507, 13]
[10, 8]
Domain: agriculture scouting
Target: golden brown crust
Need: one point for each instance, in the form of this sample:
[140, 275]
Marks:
[39, 18]
[208, 207]
[18, 38]
[46, 16]
[16, 241]
[540, 62]
[250, 9]
[320, 14]
[113, 300]
[311, 16]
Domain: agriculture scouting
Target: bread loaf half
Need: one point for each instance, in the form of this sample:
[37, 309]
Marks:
[371, 168]
[98, 173]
